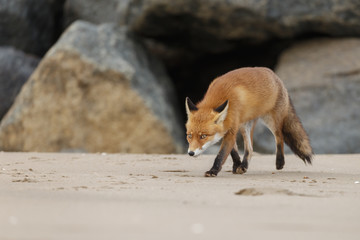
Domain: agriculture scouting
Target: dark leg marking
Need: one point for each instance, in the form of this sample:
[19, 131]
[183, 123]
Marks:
[227, 145]
[236, 159]
[245, 162]
[242, 167]
[216, 168]
[280, 160]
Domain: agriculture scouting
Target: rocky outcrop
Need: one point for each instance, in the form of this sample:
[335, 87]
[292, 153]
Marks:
[95, 90]
[214, 26]
[217, 25]
[29, 25]
[15, 69]
[323, 79]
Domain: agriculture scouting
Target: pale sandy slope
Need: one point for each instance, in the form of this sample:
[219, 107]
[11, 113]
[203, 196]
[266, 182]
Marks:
[103, 196]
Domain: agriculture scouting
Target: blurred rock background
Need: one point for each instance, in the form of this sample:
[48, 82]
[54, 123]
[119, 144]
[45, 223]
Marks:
[112, 75]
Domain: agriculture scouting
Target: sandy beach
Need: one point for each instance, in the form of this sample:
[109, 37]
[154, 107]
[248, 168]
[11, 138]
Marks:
[121, 196]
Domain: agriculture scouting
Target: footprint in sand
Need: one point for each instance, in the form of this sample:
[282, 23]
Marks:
[269, 191]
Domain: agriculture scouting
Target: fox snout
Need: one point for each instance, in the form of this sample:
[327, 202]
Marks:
[196, 148]
[196, 152]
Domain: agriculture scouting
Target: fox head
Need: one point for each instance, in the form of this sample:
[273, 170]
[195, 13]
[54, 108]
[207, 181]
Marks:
[204, 126]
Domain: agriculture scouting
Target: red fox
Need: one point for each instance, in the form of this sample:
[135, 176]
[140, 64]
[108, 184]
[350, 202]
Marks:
[233, 103]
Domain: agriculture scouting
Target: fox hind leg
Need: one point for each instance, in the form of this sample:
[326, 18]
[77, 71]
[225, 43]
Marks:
[280, 159]
[276, 128]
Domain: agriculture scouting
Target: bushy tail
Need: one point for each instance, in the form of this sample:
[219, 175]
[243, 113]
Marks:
[296, 137]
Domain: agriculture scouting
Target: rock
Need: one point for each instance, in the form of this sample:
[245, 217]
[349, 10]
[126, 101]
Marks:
[217, 25]
[96, 90]
[94, 11]
[323, 79]
[15, 69]
[29, 25]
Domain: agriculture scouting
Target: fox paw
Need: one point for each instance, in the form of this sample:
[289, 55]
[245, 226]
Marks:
[211, 173]
[239, 170]
[280, 165]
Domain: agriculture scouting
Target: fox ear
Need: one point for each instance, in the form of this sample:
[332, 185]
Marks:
[190, 106]
[222, 110]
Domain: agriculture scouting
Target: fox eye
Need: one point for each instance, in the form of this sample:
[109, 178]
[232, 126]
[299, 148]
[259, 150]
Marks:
[203, 136]
[189, 136]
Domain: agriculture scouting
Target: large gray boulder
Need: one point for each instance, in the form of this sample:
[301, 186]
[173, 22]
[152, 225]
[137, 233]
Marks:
[218, 25]
[95, 90]
[15, 69]
[323, 79]
[29, 25]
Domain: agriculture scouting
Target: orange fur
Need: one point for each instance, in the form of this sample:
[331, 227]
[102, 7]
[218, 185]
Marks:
[251, 93]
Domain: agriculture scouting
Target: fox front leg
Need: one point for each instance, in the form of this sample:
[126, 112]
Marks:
[247, 131]
[216, 168]
[236, 160]
[226, 147]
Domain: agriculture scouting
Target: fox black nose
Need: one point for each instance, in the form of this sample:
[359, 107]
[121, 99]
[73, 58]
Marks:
[191, 153]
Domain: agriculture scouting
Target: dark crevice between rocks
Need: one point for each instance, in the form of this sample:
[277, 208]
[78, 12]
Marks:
[58, 19]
